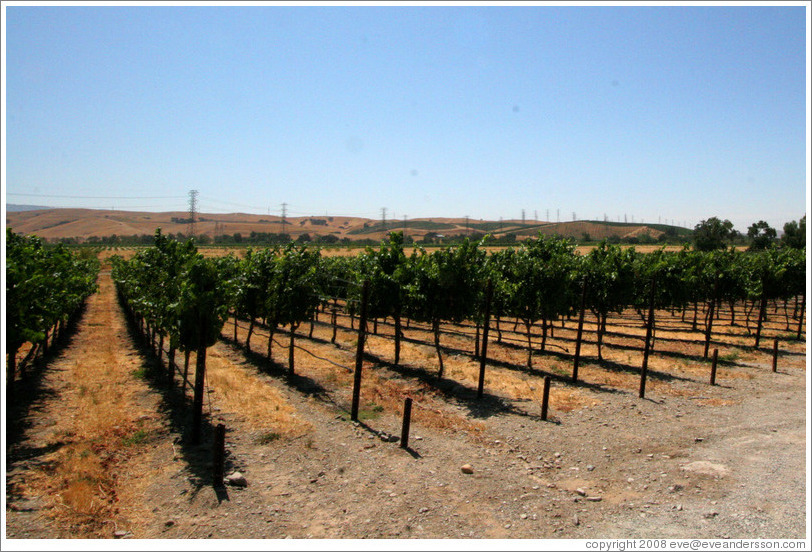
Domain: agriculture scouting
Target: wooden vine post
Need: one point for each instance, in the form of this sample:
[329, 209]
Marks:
[713, 366]
[580, 334]
[291, 347]
[219, 455]
[483, 356]
[407, 416]
[649, 327]
[359, 352]
[545, 398]
[197, 405]
[775, 355]
[710, 317]
[761, 315]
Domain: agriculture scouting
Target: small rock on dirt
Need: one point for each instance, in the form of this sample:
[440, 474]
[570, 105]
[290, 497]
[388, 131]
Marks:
[706, 468]
[467, 468]
[237, 479]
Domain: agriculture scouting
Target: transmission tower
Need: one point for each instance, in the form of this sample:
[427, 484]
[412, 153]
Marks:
[192, 212]
[284, 214]
[383, 217]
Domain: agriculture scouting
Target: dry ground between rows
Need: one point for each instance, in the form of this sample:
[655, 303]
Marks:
[99, 446]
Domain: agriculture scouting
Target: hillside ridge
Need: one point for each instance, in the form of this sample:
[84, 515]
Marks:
[84, 224]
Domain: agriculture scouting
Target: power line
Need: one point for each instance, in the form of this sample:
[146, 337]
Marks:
[91, 197]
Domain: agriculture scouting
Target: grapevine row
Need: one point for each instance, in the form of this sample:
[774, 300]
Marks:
[176, 294]
[45, 287]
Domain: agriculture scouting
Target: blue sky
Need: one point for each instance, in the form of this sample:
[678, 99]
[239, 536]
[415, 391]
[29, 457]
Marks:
[653, 113]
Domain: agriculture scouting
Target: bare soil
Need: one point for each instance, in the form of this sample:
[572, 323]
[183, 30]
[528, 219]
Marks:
[98, 445]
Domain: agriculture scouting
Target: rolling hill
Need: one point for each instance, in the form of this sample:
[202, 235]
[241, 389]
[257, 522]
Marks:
[81, 224]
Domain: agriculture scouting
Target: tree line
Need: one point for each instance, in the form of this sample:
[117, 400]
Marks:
[714, 233]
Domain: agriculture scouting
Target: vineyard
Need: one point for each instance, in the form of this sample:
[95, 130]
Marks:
[175, 294]
[480, 342]
[45, 288]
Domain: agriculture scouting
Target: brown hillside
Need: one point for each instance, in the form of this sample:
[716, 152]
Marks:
[81, 224]
[595, 230]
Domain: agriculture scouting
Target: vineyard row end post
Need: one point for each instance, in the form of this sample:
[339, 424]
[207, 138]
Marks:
[713, 366]
[407, 416]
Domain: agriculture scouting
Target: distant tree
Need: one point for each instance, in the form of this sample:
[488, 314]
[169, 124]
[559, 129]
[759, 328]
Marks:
[328, 239]
[737, 237]
[762, 236]
[712, 234]
[795, 234]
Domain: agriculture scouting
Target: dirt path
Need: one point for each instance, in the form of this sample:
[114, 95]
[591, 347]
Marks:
[743, 477]
[77, 441]
[688, 461]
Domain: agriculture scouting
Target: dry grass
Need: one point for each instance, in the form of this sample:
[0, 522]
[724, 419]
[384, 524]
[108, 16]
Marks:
[428, 408]
[236, 389]
[673, 370]
[79, 483]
